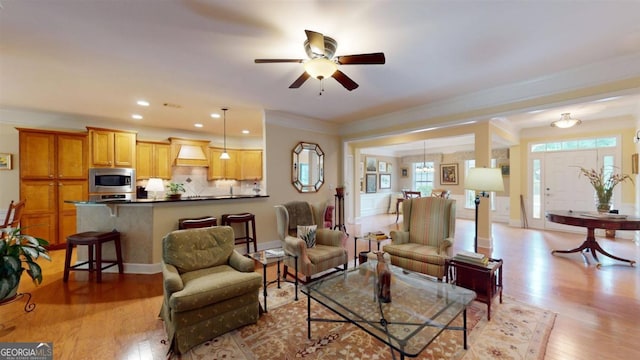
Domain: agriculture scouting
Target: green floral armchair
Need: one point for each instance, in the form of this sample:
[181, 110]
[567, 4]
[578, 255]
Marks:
[426, 238]
[209, 288]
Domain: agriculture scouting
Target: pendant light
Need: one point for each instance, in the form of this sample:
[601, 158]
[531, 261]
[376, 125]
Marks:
[225, 154]
[424, 158]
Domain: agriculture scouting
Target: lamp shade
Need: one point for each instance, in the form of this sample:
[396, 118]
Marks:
[566, 121]
[484, 179]
[320, 68]
[155, 184]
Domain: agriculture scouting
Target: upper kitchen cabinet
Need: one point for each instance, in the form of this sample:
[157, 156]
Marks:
[251, 165]
[53, 168]
[153, 159]
[112, 148]
[242, 165]
[52, 155]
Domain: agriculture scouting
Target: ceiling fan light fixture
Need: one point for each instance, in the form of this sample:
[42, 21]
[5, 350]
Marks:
[320, 68]
[566, 121]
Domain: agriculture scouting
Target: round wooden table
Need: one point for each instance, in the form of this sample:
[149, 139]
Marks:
[593, 221]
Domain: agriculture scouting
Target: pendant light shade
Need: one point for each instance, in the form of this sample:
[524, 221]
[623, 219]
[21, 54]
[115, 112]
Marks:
[225, 154]
[565, 121]
[424, 159]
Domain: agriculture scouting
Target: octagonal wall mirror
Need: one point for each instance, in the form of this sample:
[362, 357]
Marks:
[307, 171]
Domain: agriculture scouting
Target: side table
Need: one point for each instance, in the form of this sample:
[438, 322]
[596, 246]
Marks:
[486, 281]
[265, 259]
[368, 237]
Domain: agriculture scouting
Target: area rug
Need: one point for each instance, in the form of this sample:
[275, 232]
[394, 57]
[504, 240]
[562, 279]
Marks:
[516, 331]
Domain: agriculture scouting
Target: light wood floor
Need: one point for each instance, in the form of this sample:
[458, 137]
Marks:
[598, 309]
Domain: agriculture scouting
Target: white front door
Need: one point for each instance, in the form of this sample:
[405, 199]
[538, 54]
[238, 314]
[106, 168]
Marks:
[563, 188]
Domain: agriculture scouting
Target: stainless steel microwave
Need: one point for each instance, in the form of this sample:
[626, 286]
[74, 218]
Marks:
[112, 180]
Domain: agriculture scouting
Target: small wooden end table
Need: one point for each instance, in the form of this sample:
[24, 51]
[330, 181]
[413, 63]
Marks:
[486, 281]
[368, 237]
[263, 257]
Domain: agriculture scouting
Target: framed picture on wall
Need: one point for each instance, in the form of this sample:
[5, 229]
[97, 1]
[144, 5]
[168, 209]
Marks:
[404, 172]
[385, 181]
[449, 174]
[5, 161]
[372, 164]
[504, 168]
[372, 184]
[382, 166]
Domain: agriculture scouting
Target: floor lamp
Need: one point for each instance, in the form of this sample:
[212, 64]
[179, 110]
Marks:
[483, 181]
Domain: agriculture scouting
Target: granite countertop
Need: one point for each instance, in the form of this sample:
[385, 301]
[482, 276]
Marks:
[187, 199]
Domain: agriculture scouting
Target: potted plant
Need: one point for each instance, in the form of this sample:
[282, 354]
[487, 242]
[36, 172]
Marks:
[18, 253]
[174, 191]
[603, 183]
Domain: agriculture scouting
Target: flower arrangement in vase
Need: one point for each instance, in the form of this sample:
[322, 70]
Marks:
[603, 183]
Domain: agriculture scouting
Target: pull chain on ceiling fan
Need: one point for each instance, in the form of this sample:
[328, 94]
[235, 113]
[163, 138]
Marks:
[321, 63]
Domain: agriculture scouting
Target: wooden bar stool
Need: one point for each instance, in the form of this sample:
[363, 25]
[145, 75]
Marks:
[193, 223]
[246, 219]
[94, 240]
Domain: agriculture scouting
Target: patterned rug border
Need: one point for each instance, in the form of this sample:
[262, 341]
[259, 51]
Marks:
[521, 340]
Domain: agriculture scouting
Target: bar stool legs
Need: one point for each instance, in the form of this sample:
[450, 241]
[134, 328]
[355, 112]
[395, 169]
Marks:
[94, 241]
[247, 219]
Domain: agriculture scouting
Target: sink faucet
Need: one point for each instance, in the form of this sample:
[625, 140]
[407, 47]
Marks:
[230, 190]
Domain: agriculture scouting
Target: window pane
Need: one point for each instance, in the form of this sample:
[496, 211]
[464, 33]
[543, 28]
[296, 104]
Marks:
[586, 144]
[570, 145]
[537, 196]
[469, 195]
[606, 142]
[538, 147]
[554, 146]
[423, 180]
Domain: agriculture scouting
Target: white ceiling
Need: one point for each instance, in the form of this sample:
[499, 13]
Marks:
[96, 58]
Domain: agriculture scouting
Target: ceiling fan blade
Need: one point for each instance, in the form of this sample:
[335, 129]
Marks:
[299, 81]
[316, 42]
[266, 61]
[344, 80]
[362, 59]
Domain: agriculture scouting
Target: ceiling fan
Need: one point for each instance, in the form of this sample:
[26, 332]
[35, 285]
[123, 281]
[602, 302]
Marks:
[321, 63]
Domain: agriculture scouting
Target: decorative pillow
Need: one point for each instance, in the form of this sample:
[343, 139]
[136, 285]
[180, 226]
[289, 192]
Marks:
[308, 234]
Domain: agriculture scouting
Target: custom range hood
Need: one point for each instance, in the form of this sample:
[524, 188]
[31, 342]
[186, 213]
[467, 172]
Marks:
[187, 152]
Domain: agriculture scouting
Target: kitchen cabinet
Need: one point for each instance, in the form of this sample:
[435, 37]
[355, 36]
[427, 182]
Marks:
[242, 165]
[53, 168]
[153, 159]
[112, 148]
[251, 165]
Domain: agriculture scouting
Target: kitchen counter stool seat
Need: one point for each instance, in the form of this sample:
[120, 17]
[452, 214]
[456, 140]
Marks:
[94, 240]
[248, 219]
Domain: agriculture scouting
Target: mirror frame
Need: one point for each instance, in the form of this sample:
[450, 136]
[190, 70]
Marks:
[295, 157]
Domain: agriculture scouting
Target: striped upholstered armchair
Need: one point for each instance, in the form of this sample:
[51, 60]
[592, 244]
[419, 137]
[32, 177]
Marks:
[426, 238]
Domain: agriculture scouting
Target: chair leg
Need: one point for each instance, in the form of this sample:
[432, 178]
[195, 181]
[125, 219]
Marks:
[99, 262]
[255, 238]
[67, 261]
[119, 256]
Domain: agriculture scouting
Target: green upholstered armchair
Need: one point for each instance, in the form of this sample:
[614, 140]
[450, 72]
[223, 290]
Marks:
[209, 288]
[426, 238]
[329, 251]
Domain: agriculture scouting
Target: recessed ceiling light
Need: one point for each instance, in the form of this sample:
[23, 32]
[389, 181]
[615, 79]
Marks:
[215, 116]
[142, 102]
[136, 116]
[245, 131]
[198, 125]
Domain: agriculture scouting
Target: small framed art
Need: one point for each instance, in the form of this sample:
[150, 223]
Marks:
[404, 172]
[382, 166]
[5, 161]
[385, 181]
[372, 164]
[504, 168]
[372, 184]
[449, 174]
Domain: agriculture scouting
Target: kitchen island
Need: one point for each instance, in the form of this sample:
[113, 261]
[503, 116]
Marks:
[143, 223]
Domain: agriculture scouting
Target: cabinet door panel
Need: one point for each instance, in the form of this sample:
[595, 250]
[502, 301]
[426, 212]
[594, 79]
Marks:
[162, 155]
[101, 148]
[216, 166]
[124, 149]
[72, 153]
[69, 190]
[37, 154]
[39, 218]
[144, 161]
[251, 165]
[40, 225]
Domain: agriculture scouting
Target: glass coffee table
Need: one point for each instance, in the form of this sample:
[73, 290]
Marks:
[419, 311]
[268, 257]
